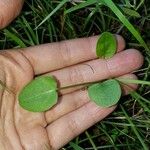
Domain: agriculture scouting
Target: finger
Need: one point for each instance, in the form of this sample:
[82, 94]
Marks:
[122, 63]
[49, 57]
[70, 102]
[75, 123]
[9, 9]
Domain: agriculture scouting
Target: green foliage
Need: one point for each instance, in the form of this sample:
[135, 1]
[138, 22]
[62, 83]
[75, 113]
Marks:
[115, 132]
[54, 11]
[119, 14]
[15, 38]
[131, 12]
[105, 94]
[125, 21]
[106, 45]
[39, 95]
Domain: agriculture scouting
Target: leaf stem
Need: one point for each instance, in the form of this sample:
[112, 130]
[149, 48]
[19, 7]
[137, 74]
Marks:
[133, 81]
[123, 80]
[86, 84]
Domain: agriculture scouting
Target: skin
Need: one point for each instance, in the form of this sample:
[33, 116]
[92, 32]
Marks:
[69, 62]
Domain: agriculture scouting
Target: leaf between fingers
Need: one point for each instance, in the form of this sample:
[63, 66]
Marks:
[105, 94]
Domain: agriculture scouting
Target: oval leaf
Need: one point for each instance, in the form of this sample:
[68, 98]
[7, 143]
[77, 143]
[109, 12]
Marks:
[131, 12]
[105, 94]
[106, 45]
[39, 95]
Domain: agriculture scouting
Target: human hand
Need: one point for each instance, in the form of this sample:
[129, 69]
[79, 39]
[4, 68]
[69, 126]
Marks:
[69, 62]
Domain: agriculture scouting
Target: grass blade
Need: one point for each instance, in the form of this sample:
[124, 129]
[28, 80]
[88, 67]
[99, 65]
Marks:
[124, 20]
[139, 98]
[53, 12]
[134, 128]
[14, 38]
[91, 141]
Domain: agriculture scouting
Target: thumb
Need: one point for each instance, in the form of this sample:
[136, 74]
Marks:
[9, 9]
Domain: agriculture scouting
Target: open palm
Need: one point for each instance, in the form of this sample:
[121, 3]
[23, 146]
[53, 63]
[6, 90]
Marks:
[69, 62]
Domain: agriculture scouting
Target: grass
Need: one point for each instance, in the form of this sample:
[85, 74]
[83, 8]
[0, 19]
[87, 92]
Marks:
[43, 21]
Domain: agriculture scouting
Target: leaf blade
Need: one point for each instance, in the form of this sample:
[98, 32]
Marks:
[106, 45]
[39, 95]
[105, 94]
[14, 38]
[53, 12]
[131, 12]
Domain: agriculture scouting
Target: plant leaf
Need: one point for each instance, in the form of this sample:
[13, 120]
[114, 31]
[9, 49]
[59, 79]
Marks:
[106, 45]
[105, 94]
[131, 12]
[39, 95]
[15, 38]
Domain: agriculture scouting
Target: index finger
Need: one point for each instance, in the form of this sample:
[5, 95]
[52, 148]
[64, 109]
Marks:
[49, 57]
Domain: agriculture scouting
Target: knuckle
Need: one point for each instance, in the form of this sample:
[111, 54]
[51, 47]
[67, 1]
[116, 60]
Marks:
[76, 75]
[73, 126]
[65, 53]
[108, 68]
[91, 43]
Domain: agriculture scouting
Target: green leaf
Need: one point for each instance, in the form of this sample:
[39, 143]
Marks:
[15, 38]
[131, 12]
[39, 95]
[105, 94]
[106, 45]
